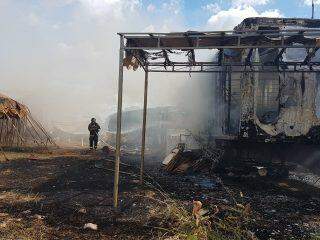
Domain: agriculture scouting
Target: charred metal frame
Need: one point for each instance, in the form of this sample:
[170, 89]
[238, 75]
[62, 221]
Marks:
[138, 45]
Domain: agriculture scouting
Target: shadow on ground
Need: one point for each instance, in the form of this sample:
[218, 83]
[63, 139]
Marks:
[62, 193]
[52, 196]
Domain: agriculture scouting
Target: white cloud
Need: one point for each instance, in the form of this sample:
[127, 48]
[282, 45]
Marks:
[212, 8]
[238, 3]
[173, 6]
[275, 13]
[111, 8]
[149, 28]
[56, 3]
[56, 26]
[309, 2]
[64, 46]
[4, 3]
[151, 8]
[228, 19]
[33, 19]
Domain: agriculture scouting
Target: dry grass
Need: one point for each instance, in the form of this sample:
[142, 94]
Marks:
[180, 223]
[316, 237]
[14, 197]
[183, 224]
[15, 228]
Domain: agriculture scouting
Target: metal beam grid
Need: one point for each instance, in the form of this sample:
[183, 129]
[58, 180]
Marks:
[214, 67]
[143, 45]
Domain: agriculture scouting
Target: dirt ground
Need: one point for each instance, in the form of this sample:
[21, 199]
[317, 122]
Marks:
[52, 196]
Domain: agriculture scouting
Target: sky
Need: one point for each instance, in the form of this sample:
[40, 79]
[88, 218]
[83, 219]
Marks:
[60, 57]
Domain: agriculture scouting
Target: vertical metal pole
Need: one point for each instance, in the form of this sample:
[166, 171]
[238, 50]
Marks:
[144, 122]
[119, 118]
[312, 15]
[256, 77]
[229, 101]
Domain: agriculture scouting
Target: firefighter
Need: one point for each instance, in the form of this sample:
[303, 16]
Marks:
[94, 129]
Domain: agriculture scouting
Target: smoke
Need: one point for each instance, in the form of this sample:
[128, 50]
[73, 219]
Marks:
[60, 57]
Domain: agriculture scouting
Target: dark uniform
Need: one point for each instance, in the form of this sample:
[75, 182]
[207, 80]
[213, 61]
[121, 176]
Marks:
[94, 129]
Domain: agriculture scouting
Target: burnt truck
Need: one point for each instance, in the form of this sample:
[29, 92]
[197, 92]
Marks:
[268, 115]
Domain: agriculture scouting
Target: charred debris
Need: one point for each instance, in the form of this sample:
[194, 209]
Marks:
[264, 100]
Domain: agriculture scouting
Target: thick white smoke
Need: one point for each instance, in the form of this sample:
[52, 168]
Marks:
[60, 57]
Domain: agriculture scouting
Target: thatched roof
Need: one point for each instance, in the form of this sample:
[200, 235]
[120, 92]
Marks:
[18, 127]
[10, 108]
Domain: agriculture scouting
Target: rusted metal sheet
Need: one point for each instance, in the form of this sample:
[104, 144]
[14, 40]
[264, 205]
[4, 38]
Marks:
[258, 39]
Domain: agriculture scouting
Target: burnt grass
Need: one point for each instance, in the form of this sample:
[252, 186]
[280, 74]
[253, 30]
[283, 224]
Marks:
[52, 196]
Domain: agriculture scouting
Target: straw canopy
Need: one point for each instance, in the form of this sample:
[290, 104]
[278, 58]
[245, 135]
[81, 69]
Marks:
[18, 127]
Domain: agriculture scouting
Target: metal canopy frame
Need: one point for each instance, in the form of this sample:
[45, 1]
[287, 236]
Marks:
[140, 45]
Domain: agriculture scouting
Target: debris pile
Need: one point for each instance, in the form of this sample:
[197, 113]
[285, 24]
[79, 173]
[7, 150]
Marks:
[182, 161]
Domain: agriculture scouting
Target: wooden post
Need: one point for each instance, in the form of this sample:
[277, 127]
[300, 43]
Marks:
[119, 119]
[144, 122]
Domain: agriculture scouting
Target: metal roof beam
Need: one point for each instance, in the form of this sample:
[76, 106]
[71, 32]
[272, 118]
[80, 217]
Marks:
[218, 40]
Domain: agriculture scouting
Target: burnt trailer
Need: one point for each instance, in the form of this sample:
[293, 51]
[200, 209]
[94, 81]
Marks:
[269, 104]
[270, 93]
[265, 93]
